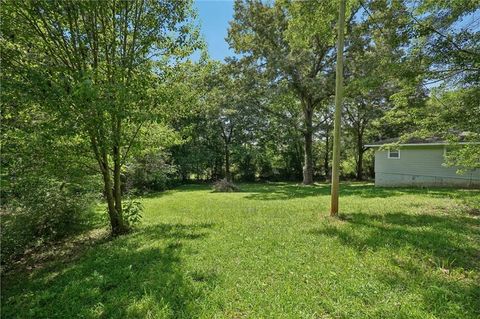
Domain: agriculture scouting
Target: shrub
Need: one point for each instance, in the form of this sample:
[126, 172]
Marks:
[266, 170]
[247, 167]
[132, 212]
[150, 172]
[49, 210]
[225, 186]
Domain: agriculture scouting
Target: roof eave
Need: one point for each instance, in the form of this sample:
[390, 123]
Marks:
[421, 144]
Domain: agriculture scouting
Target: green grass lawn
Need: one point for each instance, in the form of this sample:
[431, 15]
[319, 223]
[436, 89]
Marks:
[270, 251]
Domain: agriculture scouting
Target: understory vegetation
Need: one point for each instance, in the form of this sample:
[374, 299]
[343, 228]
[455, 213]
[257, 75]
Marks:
[140, 177]
[267, 251]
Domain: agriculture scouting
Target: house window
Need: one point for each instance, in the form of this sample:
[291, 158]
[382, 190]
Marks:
[394, 153]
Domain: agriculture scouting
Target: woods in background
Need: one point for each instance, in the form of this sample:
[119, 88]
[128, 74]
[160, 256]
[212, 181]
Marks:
[102, 99]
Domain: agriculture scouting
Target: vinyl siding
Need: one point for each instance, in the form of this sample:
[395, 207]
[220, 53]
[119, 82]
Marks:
[420, 165]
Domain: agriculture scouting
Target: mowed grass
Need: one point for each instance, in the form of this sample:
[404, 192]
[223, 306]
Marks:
[271, 251]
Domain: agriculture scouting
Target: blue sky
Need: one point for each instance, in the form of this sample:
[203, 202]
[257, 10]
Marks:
[214, 16]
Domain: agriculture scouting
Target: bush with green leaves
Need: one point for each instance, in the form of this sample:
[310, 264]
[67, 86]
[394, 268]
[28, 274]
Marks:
[43, 210]
[246, 167]
[149, 172]
[132, 212]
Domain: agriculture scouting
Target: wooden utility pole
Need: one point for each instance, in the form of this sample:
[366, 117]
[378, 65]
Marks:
[338, 111]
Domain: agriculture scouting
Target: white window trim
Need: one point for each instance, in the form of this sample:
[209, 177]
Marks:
[388, 154]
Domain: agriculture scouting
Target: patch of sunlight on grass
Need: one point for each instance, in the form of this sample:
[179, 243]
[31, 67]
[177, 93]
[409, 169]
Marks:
[271, 251]
[149, 307]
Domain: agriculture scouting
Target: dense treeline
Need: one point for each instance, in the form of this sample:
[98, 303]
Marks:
[102, 100]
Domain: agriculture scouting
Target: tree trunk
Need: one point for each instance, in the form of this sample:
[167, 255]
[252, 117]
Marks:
[360, 152]
[111, 192]
[217, 169]
[360, 166]
[308, 153]
[308, 161]
[326, 157]
[116, 221]
[227, 164]
[120, 226]
[360, 158]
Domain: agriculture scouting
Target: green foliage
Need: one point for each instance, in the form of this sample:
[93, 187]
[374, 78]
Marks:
[100, 69]
[150, 172]
[464, 157]
[103, 92]
[132, 210]
[246, 167]
[277, 40]
[48, 185]
[44, 210]
[439, 93]
[453, 116]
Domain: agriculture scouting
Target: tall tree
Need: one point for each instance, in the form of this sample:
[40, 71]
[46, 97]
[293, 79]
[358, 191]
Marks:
[90, 63]
[442, 60]
[232, 96]
[325, 136]
[290, 43]
[367, 91]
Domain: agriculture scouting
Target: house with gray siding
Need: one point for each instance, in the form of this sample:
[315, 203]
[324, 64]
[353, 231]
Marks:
[418, 162]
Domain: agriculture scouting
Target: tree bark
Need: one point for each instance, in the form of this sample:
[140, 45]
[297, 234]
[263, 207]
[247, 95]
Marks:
[121, 227]
[228, 176]
[110, 191]
[116, 222]
[308, 147]
[360, 158]
[360, 166]
[326, 157]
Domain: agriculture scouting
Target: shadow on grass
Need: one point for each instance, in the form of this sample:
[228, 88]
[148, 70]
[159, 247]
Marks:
[135, 276]
[284, 191]
[445, 238]
[441, 295]
[436, 246]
